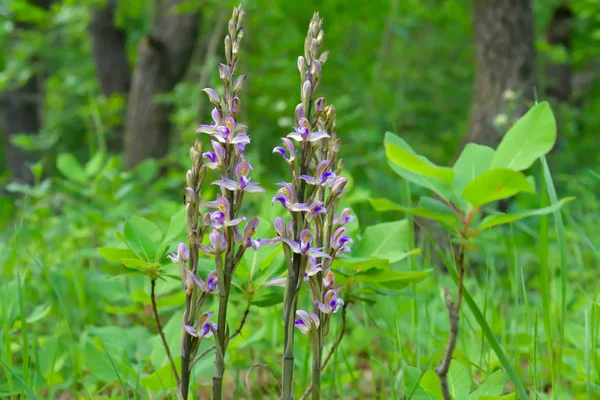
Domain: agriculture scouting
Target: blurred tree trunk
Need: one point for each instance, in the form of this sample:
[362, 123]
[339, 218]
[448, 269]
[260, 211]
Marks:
[559, 75]
[163, 58]
[110, 57]
[505, 60]
[20, 112]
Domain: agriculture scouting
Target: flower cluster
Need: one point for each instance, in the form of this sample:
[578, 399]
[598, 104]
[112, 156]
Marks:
[314, 235]
[222, 219]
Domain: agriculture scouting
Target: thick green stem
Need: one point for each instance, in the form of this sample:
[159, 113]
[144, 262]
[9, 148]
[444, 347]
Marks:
[219, 370]
[184, 384]
[316, 365]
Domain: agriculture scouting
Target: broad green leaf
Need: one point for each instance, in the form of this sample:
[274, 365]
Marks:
[531, 137]
[501, 219]
[424, 210]
[95, 164]
[492, 386]
[68, 165]
[269, 297]
[416, 169]
[410, 380]
[176, 226]
[505, 397]
[115, 255]
[496, 184]
[360, 263]
[430, 382]
[389, 278]
[38, 313]
[459, 380]
[163, 377]
[472, 162]
[388, 240]
[140, 265]
[142, 236]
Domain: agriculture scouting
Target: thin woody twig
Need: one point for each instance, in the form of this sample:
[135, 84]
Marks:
[454, 317]
[160, 329]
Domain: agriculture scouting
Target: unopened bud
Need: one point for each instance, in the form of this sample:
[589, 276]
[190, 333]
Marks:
[299, 112]
[240, 19]
[231, 27]
[306, 93]
[239, 83]
[228, 48]
[314, 47]
[315, 70]
[323, 57]
[189, 178]
[236, 47]
[212, 95]
[224, 73]
[320, 37]
[235, 106]
[320, 105]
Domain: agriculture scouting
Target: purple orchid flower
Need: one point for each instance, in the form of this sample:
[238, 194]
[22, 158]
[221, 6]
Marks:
[302, 133]
[210, 286]
[204, 328]
[340, 242]
[344, 218]
[312, 268]
[304, 246]
[307, 322]
[225, 130]
[339, 186]
[322, 176]
[328, 279]
[183, 254]
[289, 152]
[243, 182]
[218, 243]
[215, 157]
[331, 304]
[221, 217]
[286, 196]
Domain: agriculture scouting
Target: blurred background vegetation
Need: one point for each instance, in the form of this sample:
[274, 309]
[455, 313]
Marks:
[99, 101]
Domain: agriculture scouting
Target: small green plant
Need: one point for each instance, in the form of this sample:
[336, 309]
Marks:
[480, 177]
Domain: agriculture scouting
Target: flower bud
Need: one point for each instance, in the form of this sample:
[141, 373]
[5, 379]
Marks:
[299, 112]
[240, 35]
[212, 95]
[189, 178]
[240, 19]
[236, 47]
[224, 73]
[306, 93]
[320, 37]
[235, 106]
[228, 48]
[239, 83]
[314, 47]
[231, 26]
[320, 105]
[302, 67]
[315, 70]
[323, 57]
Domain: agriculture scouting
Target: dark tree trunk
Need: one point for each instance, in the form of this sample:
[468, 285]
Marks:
[162, 61]
[559, 76]
[110, 57]
[20, 112]
[505, 60]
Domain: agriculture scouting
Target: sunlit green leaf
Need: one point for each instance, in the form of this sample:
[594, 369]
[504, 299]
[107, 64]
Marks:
[501, 219]
[474, 160]
[68, 165]
[492, 386]
[424, 210]
[115, 255]
[531, 137]
[496, 184]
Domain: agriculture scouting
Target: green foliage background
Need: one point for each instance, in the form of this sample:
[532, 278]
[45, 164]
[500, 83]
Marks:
[400, 66]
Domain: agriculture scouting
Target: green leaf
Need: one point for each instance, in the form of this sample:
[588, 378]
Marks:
[140, 265]
[496, 184]
[505, 397]
[95, 164]
[360, 263]
[531, 137]
[115, 255]
[472, 162]
[387, 277]
[268, 298]
[176, 226]
[501, 219]
[492, 386]
[163, 377]
[459, 380]
[68, 165]
[388, 240]
[39, 313]
[430, 382]
[415, 168]
[142, 236]
[425, 210]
